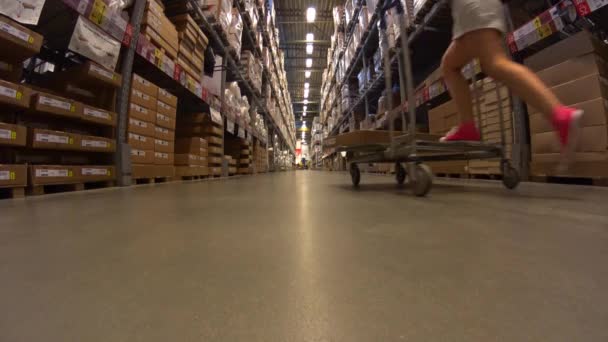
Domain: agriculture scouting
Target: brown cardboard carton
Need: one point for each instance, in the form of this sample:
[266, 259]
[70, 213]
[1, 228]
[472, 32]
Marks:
[96, 144]
[363, 138]
[143, 99]
[587, 169]
[53, 174]
[165, 121]
[165, 109]
[161, 158]
[164, 133]
[159, 40]
[216, 141]
[215, 171]
[139, 171]
[596, 114]
[441, 117]
[140, 142]
[573, 69]
[592, 139]
[12, 135]
[140, 113]
[189, 145]
[53, 140]
[214, 160]
[187, 159]
[18, 42]
[164, 170]
[582, 90]
[97, 115]
[141, 127]
[576, 157]
[167, 97]
[11, 72]
[188, 171]
[577, 45]
[15, 95]
[92, 173]
[216, 151]
[144, 86]
[52, 104]
[142, 156]
[93, 74]
[165, 146]
[13, 176]
[161, 26]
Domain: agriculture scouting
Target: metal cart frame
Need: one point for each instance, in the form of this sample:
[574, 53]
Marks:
[407, 148]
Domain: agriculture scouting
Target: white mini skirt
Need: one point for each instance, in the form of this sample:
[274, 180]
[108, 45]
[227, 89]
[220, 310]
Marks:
[472, 15]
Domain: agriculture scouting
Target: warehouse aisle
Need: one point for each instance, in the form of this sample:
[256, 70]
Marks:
[302, 256]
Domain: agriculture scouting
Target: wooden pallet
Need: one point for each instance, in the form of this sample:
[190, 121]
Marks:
[191, 178]
[571, 180]
[37, 190]
[154, 180]
[7, 193]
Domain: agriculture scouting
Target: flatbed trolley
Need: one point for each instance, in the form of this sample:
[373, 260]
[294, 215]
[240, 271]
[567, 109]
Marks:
[414, 149]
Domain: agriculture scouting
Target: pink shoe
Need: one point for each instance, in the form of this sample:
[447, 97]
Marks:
[467, 131]
[566, 122]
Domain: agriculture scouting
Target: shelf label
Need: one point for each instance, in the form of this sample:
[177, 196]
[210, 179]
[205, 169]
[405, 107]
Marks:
[138, 123]
[161, 130]
[53, 173]
[8, 134]
[13, 31]
[8, 92]
[87, 171]
[95, 143]
[97, 114]
[230, 126]
[216, 116]
[7, 175]
[161, 142]
[139, 153]
[47, 101]
[51, 138]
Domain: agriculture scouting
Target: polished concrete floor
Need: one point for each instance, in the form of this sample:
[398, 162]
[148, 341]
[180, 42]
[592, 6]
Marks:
[302, 256]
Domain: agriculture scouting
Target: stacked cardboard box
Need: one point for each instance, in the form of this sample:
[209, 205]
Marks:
[231, 162]
[142, 126]
[164, 133]
[202, 125]
[576, 69]
[157, 27]
[191, 157]
[245, 161]
[192, 45]
[260, 157]
[251, 68]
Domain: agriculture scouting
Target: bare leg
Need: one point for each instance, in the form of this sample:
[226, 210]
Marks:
[455, 58]
[487, 45]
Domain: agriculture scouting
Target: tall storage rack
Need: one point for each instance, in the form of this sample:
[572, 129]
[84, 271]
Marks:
[105, 130]
[432, 25]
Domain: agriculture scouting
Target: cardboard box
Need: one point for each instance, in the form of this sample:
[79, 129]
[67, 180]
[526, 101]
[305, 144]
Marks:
[140, 142]
[579, 44]
[139, 171]
[216, 151]
[53, 174]
[363, 138]
[161, 158]
[167, 97]
[165, 109]
[53, 140]
[92, 173]
[214, 160]
[590, 169]
[442, 118]
[592, 139]
[93, 74]
[160, 41]
[165, 146]
[576, 157]
[47, 103]
[140, 113]
[215, 171]
[187, 159]
[573, 69]
[164, 133]
[165, 121]
[596, 114]
[582, 90]
[214, 141]
[18, 42]
[155, 20]
[11, 72]
[190, 145]
[141, 127]
[142, 156]
[143, 99]
[13, 176]
[144, 86]
[190, 171]
[13, 135]
[96, 144]
[164, 170]
[15, 95]
[97, 115]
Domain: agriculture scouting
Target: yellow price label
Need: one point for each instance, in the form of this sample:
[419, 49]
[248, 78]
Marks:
[31, 40]
[13, 135]
[109, 173]
[73, 108]
[19, 95]
[71, 141]
[537, 22]
[545, 31]
[98, 12]
[12, 176]
[70, 173]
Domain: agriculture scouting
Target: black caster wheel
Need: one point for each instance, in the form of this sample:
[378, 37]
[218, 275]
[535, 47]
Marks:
[355, 174]
[510, 176]
[400, 173]
[423, 180]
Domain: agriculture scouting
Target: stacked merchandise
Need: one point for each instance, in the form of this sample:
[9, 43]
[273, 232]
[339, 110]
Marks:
[235, 33]
[251, 69]
[164, 137]
[69, 115]
[231, 163]
[191, 157]
[159, 30]
[260, 158]
[218, 12]
[239, 150]
[210, 127]
[214, 138]
[576, 69]
[192, 45]
[245, 162]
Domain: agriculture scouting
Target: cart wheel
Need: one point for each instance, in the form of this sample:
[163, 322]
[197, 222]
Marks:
[355, 174]
[510, 176]
[400, 173]
[424, 180]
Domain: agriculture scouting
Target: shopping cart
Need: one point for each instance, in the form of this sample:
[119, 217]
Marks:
[409, 150]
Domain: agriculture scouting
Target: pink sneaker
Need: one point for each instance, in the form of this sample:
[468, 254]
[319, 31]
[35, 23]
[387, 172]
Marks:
[566, 122]
[467, 131]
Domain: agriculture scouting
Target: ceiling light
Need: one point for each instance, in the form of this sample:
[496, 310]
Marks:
[305, 93]
[307, 74]
[308, 62]
[310, 37]
[305, 101]
[306, 85]
[304, 114]
[309, 49]
[305, 108]
[311, 14]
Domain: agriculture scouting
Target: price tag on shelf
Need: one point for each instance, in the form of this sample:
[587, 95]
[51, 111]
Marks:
[586, 7]
[98, 12]
[230, 126]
